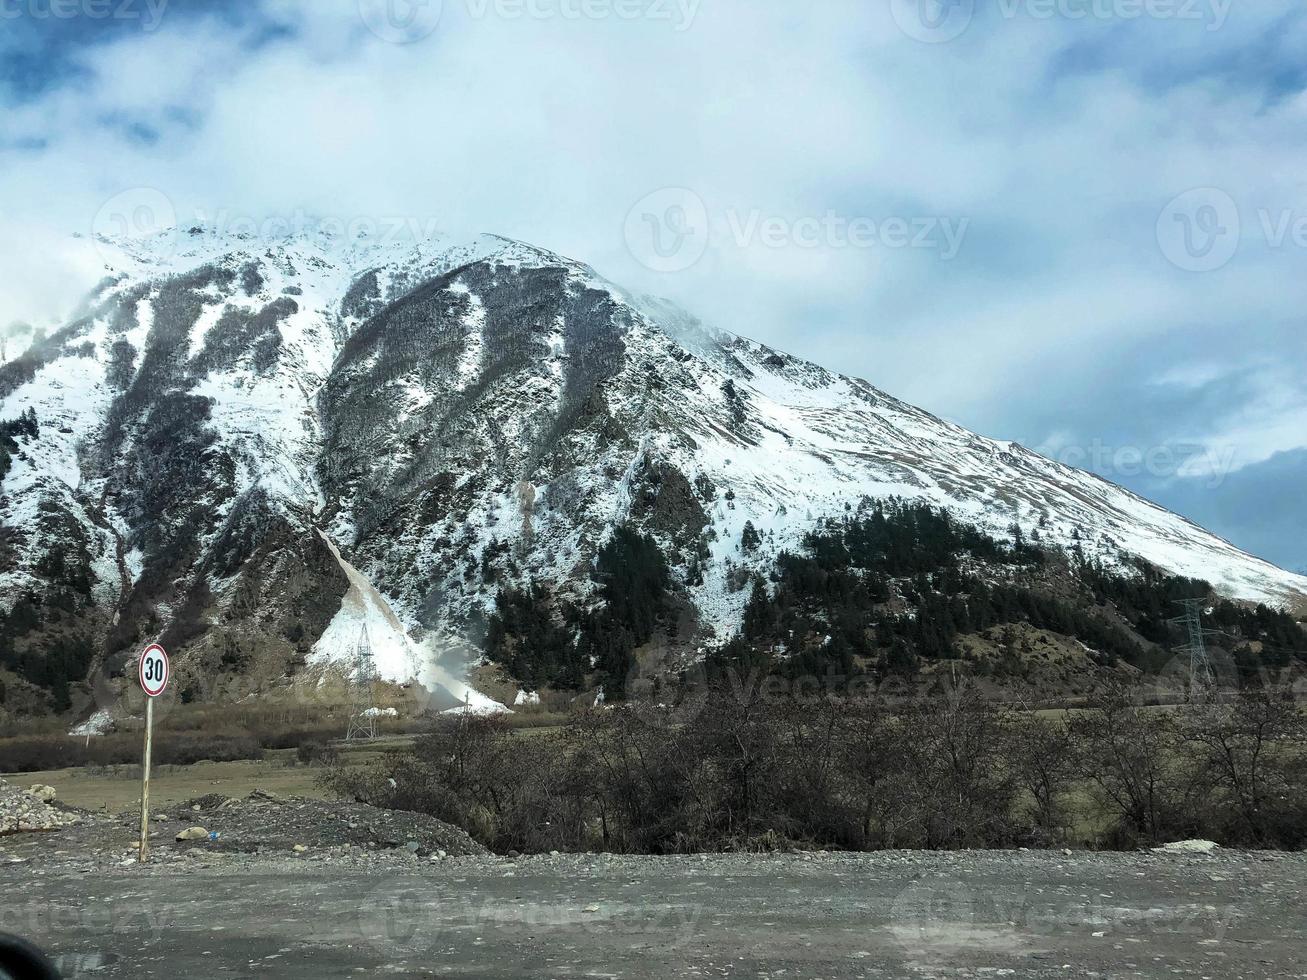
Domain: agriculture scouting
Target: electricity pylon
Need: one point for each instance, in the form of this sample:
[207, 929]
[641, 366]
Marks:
[362, 713]
[1201, 677]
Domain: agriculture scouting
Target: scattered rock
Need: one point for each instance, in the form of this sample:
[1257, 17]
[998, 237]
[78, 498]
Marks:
[1188, 847]
[193, 833]
[45, 794]
[23, 811]
[278, 823]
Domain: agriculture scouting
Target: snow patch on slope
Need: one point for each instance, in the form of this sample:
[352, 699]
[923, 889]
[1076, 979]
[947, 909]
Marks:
[397, 657]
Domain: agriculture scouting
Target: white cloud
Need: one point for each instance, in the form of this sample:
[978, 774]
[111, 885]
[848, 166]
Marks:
[1059, 142]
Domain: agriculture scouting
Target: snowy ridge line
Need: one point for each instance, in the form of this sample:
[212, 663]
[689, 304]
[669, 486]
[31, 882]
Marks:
[610, 407]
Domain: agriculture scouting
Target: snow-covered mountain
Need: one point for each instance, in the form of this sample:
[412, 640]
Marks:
[249, 447]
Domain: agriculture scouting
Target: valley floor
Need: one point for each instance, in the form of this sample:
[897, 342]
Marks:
[895, 914]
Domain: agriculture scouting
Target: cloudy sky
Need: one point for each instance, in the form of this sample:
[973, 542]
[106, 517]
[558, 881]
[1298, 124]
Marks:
[1078, 224]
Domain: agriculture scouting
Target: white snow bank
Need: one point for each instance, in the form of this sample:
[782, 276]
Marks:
[484, 710]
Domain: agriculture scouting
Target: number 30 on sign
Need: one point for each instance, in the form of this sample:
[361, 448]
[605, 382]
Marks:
[154, 670]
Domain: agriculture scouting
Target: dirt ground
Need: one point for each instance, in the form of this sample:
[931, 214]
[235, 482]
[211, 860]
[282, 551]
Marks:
[889, 915]
[116, 788]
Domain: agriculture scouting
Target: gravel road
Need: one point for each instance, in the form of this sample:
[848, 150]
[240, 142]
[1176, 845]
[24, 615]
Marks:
[322, 914]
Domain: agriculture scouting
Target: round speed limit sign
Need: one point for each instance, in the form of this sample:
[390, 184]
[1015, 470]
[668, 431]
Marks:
[154, 670]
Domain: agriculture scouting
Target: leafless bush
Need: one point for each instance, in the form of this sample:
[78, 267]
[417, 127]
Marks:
[1250, 754]
[749, 772]
[1041, 757]
[1130, 757]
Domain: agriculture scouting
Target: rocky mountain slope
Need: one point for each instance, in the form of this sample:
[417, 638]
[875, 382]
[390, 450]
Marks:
[247, 449]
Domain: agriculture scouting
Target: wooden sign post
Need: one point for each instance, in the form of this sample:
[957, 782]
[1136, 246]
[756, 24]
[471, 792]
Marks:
[153, 675]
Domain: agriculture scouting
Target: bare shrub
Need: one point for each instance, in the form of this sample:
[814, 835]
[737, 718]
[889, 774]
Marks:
[1042, 759]
[749, 772]
[1250, 752]
[314, 753]
[1130, 757]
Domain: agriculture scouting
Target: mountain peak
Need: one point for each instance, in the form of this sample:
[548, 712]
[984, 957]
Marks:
[460, 417]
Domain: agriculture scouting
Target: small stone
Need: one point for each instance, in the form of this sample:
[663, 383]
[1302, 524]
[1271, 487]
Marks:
[299, 848]
[193, 833]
